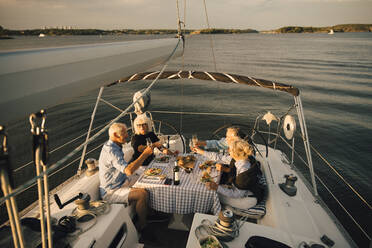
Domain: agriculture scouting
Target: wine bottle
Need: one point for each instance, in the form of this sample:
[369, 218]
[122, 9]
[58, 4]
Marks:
[176, 174]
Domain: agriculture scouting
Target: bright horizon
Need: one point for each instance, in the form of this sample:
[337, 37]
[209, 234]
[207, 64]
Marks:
[145, 14]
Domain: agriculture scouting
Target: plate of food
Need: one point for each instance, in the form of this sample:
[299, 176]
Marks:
[186, 162]
[207, 164]
[210, 242]
[206, 177]
[162, 159]
[153, 172]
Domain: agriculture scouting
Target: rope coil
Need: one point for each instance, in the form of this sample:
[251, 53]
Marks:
[218, 230]
[95, 209]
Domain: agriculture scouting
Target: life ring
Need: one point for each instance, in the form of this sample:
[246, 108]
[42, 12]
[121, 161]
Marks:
[289, 126]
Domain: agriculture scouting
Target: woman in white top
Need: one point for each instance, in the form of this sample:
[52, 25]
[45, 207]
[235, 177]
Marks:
[234, 195]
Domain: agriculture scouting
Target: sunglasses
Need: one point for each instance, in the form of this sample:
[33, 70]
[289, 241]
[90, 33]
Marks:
[142, 125]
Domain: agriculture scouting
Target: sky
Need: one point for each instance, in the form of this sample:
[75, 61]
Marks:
[153, 14]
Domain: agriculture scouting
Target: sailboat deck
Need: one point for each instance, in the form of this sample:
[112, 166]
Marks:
[302, 215]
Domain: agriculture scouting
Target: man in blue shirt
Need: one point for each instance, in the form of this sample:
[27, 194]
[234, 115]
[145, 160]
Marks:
[115, 172]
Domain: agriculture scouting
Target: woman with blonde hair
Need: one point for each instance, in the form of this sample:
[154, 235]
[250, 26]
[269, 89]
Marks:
[143, 131]
[240, 189]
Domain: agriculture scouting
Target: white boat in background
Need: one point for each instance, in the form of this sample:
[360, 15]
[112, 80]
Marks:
[41, 35]
[331, 32]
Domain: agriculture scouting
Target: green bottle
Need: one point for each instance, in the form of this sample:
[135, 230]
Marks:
[176, 174]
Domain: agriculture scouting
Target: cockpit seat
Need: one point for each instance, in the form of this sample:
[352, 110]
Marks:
[259, 210]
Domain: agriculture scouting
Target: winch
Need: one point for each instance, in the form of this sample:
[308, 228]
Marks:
[226, 218]
[288, 187]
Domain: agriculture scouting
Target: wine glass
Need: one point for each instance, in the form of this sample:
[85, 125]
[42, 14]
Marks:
[194, 139]
[191, 145]
[148, 142]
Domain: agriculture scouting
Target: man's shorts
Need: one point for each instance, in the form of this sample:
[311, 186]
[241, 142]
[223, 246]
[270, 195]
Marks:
[121, 194]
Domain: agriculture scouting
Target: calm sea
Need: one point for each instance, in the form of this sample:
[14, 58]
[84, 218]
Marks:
[333, 73]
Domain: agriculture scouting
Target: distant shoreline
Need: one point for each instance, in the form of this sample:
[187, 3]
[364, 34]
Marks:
[6, 33]
[342, 28]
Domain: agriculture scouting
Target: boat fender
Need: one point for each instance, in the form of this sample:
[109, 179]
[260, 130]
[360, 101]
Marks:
[142, 105]
[289, 126]
[288, 187]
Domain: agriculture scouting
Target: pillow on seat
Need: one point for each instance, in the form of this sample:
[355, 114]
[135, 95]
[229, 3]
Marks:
[259, 210]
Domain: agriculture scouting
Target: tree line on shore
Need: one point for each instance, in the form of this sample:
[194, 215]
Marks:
[289, 29]
[337, 28]
[58, 31]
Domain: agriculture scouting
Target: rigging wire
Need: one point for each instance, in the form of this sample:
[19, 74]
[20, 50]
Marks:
[338, 174]
[341, 177]
[183, 57]
[210, 36]
[63, 167]
[68, 156]
[60, 147]
[184, 15]
[178, 18]
[212, 48]
[342, 206]
[329, 191]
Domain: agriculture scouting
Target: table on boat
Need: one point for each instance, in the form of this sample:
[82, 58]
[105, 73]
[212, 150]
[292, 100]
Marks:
[190, 196]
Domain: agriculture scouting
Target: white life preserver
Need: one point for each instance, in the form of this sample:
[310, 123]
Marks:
[289, 126]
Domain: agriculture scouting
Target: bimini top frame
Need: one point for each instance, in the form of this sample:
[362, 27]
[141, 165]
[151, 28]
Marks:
[212, 76]
[238, 79]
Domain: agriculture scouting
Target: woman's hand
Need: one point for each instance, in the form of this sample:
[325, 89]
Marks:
[198, 150]
[141, 148]
[211, 185]
[167, 152]
[147, 151]
[221, 167]
[201, 143]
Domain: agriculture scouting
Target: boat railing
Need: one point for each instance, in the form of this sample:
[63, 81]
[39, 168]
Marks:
[273, 140]
[90, 151]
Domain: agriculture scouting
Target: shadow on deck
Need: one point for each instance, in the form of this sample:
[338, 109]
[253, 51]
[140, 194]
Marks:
[158, 235]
